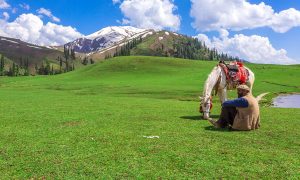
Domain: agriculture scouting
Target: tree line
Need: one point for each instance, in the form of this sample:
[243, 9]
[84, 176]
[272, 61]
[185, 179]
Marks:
[183, 47]
[21, 69]
[66, 64]
[192, 48]
[87, 60]
[125, 49]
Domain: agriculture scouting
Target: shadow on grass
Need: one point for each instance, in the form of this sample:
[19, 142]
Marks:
[212, 128]
[198, 117]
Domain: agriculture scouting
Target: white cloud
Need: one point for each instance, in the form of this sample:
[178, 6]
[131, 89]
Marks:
[58, 34]
[24, 6]
[4, 4]
[255, 49]
[152, 14]
[116, 1]
[30, 28]
[125, 21]
[241, 14]
[6, 16]
[285, 20]
[14, 10]
[48, 13]
[205, 39]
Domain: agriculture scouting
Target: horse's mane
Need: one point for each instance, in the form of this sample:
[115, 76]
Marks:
[210, 82]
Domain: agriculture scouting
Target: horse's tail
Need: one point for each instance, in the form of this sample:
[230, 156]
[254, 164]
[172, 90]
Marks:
[259, 97]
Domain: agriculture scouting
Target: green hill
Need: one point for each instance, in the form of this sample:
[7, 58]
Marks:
[169, 44]
[94, 122]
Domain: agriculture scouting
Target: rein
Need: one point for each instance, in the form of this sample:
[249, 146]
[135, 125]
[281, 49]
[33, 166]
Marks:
[205, 104]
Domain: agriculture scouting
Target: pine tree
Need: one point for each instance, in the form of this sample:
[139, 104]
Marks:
[21, 62]
[67, 56]
[85, 61]
[26, 67]
[42, 69]
[2, 66]
[73, 55]
[46, 69]
[13, 70]
[10, 71]
[36, 69]
[60, 64]
[92, 61]
[52, 71]
[211, 56]
[107, 56]
[17, 72]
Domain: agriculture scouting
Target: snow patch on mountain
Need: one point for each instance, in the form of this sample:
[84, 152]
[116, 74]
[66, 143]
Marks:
[147, 34]
[3, 39]
[34, 47]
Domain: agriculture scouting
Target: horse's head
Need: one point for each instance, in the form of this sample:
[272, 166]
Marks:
[205, 106]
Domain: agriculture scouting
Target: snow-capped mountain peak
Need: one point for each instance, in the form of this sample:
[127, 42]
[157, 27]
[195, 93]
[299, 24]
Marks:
[125, 31]
[106, 37]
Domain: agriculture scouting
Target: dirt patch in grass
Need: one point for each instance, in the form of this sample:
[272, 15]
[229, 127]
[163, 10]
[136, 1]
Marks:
[72, 123]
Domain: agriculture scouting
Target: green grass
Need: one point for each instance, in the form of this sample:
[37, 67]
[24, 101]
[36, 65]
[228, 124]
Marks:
[90, 124]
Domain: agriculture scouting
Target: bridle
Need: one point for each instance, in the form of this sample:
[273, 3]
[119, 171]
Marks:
[205, 104]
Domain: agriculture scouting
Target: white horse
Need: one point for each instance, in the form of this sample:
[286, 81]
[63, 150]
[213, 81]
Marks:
[217, 81]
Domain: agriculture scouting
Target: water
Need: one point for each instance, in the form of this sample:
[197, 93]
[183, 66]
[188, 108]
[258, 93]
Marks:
[287, 101]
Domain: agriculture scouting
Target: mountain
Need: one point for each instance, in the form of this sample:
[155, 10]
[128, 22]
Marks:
[106, 38]
[108, 42]
[171, 44]
[21, 58]
[159, 43]
[15, 49]
[120, 40]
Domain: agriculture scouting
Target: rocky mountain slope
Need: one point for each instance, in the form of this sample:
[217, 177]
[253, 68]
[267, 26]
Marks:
[15, 49]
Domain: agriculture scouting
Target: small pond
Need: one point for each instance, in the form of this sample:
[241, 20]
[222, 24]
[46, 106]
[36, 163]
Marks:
[287, 101]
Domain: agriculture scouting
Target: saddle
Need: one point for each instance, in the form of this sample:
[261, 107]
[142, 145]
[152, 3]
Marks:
[232, 67]
[235, 72]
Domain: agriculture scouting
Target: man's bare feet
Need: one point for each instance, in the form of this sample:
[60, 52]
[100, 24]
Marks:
[214, 123]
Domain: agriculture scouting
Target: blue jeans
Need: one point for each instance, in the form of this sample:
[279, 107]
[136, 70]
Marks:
[227, 116]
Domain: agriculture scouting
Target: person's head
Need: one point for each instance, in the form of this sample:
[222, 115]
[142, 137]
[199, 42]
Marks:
[242, 90]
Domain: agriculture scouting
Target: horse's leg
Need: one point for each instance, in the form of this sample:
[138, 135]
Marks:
[222, 95]
[222, 90]
[250, 83]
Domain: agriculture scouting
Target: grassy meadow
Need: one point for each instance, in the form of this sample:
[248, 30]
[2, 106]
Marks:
[91, 124]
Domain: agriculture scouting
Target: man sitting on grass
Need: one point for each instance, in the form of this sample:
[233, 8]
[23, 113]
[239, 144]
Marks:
[241, 113]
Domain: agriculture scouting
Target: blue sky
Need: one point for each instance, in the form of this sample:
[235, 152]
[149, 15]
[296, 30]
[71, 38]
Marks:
[89, 16]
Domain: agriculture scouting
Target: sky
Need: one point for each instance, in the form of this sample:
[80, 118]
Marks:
[258, 31]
